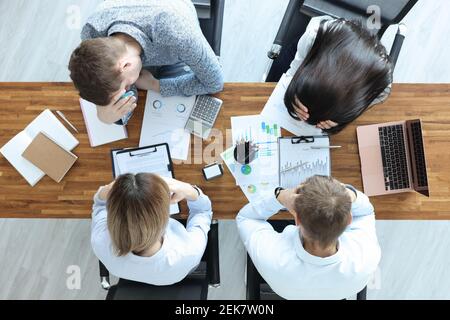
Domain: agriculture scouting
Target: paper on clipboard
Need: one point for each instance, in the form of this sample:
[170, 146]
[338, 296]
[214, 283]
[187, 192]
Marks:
[276, 111]
[298, 161]
[153, 159]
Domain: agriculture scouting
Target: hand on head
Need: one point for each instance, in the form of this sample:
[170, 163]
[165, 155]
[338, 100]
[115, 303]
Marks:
[104, 190]
[180, 190]
[302, 112]
[117, 108]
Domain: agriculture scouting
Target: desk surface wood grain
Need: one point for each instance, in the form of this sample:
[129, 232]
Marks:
[20, 103]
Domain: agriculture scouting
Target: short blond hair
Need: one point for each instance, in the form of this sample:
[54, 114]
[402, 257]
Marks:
[138, 212]
[323, 208]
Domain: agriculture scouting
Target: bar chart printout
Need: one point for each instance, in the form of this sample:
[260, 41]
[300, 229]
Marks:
[264, 135]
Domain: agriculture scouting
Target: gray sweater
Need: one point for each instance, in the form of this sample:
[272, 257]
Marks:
[169, 33]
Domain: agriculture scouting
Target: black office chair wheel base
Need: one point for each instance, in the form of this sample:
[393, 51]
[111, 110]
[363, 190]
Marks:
[105, 283]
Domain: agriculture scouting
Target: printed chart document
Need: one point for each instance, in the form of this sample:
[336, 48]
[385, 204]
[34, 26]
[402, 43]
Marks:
[254, 191]
[47, 123]
[298, 161]
[164, 122]
[276, 111]
[153, 159]
[264, 134]
[99, 132]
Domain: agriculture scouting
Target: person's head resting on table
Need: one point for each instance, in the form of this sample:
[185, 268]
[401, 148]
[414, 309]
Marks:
[138, 209]
[345, 70]
[321, 207]
[103, 69]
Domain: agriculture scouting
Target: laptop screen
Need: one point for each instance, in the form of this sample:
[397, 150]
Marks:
[417, 156]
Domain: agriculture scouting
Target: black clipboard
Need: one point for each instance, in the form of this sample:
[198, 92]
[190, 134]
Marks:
[150, 149]
[298, 141]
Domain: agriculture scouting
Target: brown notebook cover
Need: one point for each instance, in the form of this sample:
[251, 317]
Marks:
[49, 156]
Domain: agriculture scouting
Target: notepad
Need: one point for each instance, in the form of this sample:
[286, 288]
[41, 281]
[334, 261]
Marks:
[49, 156]
[99, 132]
[46, 122]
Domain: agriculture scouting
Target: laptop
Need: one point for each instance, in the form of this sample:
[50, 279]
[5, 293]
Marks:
[393, 158]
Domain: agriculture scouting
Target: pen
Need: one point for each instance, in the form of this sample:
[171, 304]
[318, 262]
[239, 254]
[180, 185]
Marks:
[65, 119]
[325, 147]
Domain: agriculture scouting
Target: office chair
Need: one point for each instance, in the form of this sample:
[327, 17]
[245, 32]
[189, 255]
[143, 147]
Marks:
[210, 14]
[258, 289]
[193, 287]
[299, 13]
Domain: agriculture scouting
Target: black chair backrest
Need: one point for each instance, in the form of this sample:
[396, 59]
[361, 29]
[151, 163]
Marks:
[299, 13]
[391, 12]
[211, 24]
[193, 287]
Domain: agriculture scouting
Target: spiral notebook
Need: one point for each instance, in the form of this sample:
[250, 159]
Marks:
[98, 132]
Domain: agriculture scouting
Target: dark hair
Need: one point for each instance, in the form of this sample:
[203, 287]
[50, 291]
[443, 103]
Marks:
[94, 71]
[345, 70]
[323, 207]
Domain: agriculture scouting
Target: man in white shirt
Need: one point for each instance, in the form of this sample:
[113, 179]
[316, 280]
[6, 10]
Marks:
[134, 237]
[330, 252]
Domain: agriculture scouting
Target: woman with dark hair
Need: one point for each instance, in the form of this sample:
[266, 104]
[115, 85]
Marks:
[339, 71]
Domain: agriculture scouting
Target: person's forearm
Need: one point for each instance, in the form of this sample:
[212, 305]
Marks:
[361, 206]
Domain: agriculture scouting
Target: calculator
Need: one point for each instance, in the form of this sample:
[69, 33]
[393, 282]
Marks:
[203, 115]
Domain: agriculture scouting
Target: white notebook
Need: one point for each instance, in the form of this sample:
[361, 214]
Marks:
[99, 132]
[46, 122]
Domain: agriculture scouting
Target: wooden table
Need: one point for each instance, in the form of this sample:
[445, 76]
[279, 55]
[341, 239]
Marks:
[20, 103]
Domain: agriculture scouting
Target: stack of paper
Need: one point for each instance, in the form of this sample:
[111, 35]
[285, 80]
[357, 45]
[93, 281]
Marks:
[260, 176]
[47, 123]
[253, 191]
[164, 122]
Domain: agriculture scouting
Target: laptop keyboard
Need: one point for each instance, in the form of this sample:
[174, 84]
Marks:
[206, 108]
[419, 154]
[393, 154]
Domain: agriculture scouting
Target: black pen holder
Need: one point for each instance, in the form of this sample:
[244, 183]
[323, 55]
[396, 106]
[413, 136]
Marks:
[245, 152]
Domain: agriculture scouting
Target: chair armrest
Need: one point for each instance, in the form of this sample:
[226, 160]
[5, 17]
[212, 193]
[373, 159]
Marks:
[278, 43]
[253, 281]
[104, 276]
[213, 265]
[362, 295]
[397, 44]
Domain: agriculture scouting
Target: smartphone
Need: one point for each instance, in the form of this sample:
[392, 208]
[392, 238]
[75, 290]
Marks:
[126, 117]
[127, 94]
[212, 171]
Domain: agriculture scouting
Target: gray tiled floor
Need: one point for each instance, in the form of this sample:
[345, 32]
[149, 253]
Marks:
[37, 38]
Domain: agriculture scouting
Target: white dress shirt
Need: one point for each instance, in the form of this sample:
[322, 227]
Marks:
[292, 272]
[181, 251]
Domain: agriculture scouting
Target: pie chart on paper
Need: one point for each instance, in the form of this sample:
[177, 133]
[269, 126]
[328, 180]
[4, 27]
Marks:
[246, 169]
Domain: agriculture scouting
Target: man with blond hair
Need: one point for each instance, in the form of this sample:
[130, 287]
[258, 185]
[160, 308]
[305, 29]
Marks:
[330, 252]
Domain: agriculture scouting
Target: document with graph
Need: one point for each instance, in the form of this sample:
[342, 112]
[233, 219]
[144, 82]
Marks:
[303, 157]
[264, 135]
